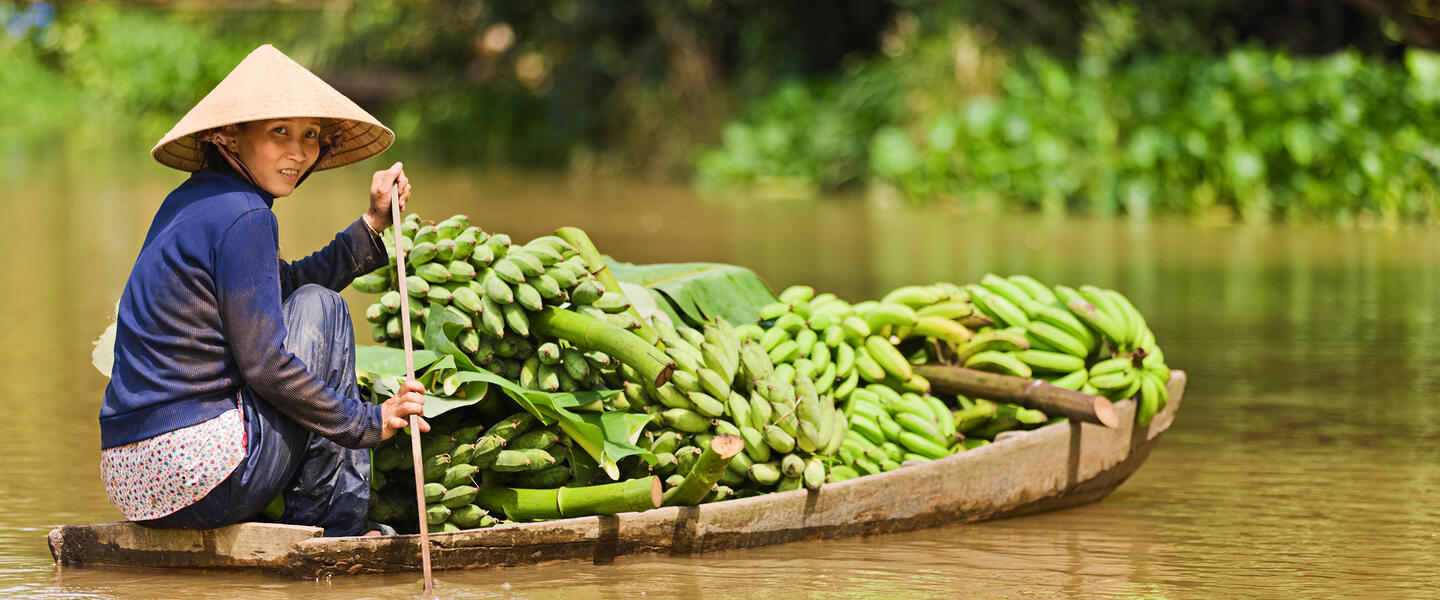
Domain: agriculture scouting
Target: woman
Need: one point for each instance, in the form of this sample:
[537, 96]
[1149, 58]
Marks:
[234, 374]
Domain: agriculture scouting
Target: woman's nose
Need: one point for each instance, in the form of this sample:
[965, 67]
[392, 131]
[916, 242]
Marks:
[298, 150]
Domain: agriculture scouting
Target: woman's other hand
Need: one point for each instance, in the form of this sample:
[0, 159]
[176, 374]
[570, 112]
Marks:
[378, 216]
[395, 412]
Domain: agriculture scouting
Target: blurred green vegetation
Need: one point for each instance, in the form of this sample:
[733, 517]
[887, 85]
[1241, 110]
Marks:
[1307, 109]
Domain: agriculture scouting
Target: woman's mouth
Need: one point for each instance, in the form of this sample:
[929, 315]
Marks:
[290, 174]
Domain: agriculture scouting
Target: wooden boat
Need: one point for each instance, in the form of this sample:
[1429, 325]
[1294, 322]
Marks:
[1053, 467]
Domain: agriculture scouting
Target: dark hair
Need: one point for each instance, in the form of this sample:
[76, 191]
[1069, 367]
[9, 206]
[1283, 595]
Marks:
[215, 161]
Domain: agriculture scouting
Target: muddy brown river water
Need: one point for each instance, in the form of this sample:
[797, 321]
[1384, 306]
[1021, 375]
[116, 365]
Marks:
[1305, 462]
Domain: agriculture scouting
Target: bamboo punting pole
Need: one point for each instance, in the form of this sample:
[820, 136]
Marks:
[1030, 393]
[410, 373]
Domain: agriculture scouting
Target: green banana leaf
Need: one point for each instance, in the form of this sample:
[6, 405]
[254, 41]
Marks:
[384, 360]
[607, 437]
[696, 293]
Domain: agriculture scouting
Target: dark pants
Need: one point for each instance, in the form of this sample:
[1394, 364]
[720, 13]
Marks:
[325, 484]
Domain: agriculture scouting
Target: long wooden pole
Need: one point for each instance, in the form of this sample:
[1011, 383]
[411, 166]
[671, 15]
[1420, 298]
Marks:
[1030, 393]
[410, 374]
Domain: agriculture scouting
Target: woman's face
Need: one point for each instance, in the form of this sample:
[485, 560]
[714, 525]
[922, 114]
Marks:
[278, 151]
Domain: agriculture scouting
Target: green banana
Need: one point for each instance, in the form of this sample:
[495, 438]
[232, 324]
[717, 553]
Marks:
[1072, 381]
[998, 362]
[814, 474]
[797, 293]
[482, 256]
[952, 309]
[492, 319]
[1101, 322]
[855, 328]
[587, 292]
[436, 514]
[529, 264]
[778, 439]
[496, 289]
[1050, 361]
[433, 273]
[1125, 330]
[686, 420]
[416, 286]
[445, 250]
[371, 283]
[889, 314]
[914, 296]
[422, 253]
[1005, 289]
[516, 318]
[941, 328]
[889, 359]
[611, 302]
[706, 405]
[998, 340]
[1066, 321]
[466, 517]
[773, 310]
[998, 306]
[919, 444]
[1034, 289]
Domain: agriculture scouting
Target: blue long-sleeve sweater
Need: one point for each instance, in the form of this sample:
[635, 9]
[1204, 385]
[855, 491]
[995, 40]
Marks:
[200, 318]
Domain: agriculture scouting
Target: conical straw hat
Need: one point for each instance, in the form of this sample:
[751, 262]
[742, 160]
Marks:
[269, 85]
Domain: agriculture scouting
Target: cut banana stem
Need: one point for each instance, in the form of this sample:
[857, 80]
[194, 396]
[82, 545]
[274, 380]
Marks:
[1030, 393]
[706, 471]
[594, 334]
[581, 241]
[607, 499]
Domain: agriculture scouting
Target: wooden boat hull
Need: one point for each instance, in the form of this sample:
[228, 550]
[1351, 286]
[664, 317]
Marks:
[1058, 466]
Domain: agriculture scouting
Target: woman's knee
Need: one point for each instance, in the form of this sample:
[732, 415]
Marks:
[315, 298]
[318, 328]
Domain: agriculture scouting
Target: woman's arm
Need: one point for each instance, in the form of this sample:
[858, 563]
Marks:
[357, 249]
[248, 294]
[353, 252]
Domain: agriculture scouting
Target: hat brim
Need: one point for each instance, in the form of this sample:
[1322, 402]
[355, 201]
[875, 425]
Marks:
[269, 85]
[359, 141]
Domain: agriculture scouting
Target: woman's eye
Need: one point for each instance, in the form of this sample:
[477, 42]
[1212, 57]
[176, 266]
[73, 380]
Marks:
[312, 134]
[279, 130]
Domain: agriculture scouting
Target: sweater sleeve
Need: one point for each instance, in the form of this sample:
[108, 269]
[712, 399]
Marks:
[353, 252]
[248, 289]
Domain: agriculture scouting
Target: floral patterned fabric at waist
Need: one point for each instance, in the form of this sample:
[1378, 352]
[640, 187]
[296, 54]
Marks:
[154, 477]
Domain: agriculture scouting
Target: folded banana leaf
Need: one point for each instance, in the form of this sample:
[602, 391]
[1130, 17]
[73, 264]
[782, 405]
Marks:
[607, 437]
[696, 293]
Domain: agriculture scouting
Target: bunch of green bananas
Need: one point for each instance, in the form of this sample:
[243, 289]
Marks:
[493, 287]
[1087, 339]
[819, 389]
[726, 384]
[457, 462]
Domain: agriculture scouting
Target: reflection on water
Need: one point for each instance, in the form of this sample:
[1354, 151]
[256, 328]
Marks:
[1302, 464]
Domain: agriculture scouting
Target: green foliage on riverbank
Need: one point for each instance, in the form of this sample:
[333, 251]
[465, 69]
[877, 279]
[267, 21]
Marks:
[1256, 132]
[1096, 107]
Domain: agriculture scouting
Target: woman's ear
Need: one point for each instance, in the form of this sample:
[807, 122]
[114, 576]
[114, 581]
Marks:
[226, 136]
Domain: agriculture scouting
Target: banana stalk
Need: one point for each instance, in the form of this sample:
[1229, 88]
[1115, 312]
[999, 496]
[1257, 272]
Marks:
[590, 333]
[581, 241]
[1030, 393]
[706, 472]
[606, 499]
